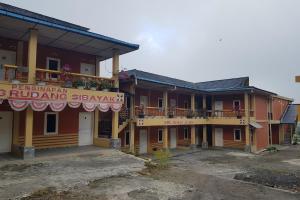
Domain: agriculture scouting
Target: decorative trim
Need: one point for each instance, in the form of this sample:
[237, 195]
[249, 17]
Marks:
[18, 105]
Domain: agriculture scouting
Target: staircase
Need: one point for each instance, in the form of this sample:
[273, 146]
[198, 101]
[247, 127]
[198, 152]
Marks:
[123, 125]
[124, 119]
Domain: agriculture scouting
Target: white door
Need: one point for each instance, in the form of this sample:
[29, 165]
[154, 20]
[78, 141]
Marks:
[6, 119]
[6, 57]
[172, 103]
[218, 108]
[88, 69]
[85, 129]
[218, 137]
[144, 103]
[143, 141]
[173, 138]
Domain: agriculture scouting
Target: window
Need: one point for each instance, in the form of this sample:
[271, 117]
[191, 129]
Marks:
[185, 133]
[127, 138]
[160, 103]
[237, 135]
[53, 64]
[127, 102]
[236, 104]
[51, 123]
[160, 135]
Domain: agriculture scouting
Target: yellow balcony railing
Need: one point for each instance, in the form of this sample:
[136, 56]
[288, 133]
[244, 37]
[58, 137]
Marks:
[54, 77]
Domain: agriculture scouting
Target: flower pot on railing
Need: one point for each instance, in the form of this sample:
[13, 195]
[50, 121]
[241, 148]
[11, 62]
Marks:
[79, 84]
[93, 85]
[141, 111]
[68, 84]
[190, 114]
[106, 86]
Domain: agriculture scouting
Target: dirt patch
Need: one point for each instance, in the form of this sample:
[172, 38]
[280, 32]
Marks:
[143, 194]
[21, 167]
[275, 179]
[51, 194]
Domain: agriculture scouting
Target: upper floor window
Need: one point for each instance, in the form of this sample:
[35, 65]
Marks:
[53, 64]
[160, 103]
[237, 135]
[51, 123]
[185, 133]
[236, 104]
[160, 136]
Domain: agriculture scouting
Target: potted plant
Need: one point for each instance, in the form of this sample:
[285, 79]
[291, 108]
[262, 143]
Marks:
[106, 86]
[190, 114]
[171, 112]
[93, 85]
[79, 84]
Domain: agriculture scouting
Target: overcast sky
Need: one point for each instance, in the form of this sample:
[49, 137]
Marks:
[196, 40]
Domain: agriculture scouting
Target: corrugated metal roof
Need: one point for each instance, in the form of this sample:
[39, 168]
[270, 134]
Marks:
[232, 83]
[290, 115]
[28, 13]
[225, 85]
[156, 78]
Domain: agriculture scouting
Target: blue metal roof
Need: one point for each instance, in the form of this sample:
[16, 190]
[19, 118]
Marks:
[290, 115]
[35, 18]
[225, 85]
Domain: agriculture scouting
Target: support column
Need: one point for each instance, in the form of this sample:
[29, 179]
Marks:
[165, 99]
[204, 139]
[132, 116]
[96, 123]
[132, 133]
[32, 51]
[98, 69]
[204, 131]
[247, 121]
[165, 138]
[115, 140]
[28, 150]
[193, 137]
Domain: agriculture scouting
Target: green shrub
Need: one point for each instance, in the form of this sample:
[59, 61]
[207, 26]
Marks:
[162, 157]
[272, 149]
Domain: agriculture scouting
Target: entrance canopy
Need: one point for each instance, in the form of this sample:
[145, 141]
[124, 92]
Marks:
[20, 96]
[255, 124]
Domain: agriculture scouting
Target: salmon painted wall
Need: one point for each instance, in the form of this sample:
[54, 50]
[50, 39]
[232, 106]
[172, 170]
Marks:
[66, 57]
[153, 97]
[278, 107]
[228, 136]
[262, 136]
[261, 109]
[8, 44]
[228, 100]
[68, 122]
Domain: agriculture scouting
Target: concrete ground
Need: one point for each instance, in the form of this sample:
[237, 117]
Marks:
[197, 174]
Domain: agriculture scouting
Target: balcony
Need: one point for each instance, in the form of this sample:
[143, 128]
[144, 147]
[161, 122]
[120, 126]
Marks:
[154, 116]
[63, 78]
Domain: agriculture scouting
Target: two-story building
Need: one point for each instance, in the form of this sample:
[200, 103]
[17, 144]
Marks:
[163, 112]
[51, 92]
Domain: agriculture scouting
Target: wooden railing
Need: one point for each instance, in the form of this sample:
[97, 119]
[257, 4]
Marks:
[149, 111]
[182, 112]
[226, 113]
[53, 77]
